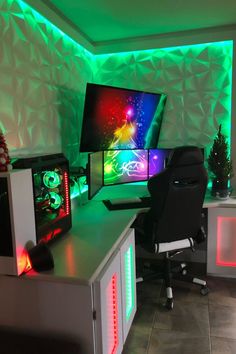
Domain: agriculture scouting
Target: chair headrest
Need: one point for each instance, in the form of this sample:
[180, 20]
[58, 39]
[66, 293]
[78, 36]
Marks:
[185, 155]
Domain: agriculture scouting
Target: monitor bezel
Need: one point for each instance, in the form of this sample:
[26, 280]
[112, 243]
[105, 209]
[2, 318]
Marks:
[89, 179]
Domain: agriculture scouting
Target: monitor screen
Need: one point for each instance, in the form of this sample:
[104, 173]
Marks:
[95, 173]
[120, 119]
[123, 166]
[157, 160]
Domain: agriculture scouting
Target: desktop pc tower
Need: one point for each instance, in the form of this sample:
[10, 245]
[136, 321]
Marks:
[51, 190]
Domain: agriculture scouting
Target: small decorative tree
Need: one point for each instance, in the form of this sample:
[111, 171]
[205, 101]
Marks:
[5, 164]
[219, 163]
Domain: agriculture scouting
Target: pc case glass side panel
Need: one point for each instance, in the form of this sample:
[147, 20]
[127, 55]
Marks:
[52, 199]
[122, 166]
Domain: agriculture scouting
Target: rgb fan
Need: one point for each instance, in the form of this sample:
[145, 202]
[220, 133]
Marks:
[51, 179]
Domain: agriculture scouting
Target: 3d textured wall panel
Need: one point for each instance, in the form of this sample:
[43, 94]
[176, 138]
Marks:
[43, 79]
[197, 80]
[44, 75]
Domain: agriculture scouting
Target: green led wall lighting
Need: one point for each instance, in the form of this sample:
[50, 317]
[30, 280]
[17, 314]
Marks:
[78, 186]
[35, 15]
[153, 51]
[129, 282]
[196, 78]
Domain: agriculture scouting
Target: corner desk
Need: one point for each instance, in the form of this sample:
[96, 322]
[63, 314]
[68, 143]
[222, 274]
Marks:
[90, 295]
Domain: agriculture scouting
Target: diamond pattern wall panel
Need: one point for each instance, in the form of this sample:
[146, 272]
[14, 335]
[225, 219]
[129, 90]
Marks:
[44, 74]
[43, 79]
[197, 80]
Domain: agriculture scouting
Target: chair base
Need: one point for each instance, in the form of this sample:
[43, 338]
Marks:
[178, 273]
[181, 275]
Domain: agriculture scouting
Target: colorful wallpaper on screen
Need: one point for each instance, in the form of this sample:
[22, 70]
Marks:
[116, 118]
[122, 166]
[157, 159]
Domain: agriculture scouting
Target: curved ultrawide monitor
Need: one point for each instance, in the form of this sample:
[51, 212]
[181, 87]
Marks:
[123, 166]
[120, 119]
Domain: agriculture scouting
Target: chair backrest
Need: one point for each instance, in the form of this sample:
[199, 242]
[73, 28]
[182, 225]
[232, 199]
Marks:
[177, 196]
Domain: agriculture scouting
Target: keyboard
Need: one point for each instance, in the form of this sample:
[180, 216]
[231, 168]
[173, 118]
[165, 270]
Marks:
[127, 203]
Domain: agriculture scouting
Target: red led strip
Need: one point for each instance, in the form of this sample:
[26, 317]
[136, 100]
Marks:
[115, 314]
[51, 235]
[220, 243]
[23, 261]
[67, 196]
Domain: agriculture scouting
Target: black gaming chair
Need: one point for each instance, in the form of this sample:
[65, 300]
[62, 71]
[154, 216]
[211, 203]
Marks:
[173, 223]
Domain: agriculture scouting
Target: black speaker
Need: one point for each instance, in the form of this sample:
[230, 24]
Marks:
[41, 258]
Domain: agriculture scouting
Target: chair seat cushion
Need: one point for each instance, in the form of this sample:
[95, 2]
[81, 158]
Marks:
[175, 245]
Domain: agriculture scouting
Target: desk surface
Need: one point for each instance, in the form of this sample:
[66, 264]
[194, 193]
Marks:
[96, 233]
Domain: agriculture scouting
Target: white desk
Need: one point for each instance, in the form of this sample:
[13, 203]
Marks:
[90, 295]
[90, 266]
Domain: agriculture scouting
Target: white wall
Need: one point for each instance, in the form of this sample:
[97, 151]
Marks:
[44, 74]
[43, 80]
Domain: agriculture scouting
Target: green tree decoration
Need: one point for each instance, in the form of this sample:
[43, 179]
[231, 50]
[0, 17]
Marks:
[219, 162]
[5, 164]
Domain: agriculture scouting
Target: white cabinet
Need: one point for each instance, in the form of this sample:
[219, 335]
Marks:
[98, 315]
[115, 299]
